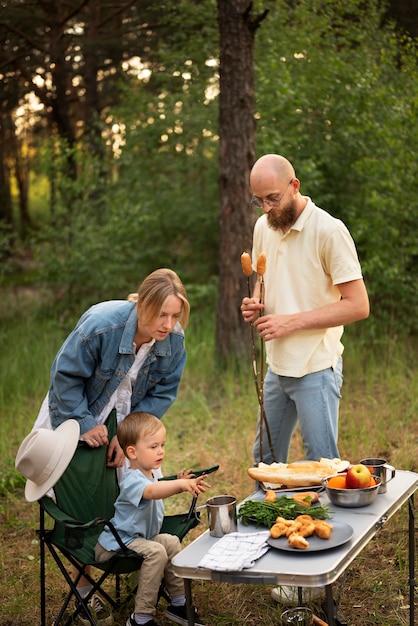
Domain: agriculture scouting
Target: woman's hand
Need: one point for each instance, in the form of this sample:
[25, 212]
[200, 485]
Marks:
[96, 437]
[115, 455]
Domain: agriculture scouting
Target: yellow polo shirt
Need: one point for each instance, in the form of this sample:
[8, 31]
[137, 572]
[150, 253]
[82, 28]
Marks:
[303, 268]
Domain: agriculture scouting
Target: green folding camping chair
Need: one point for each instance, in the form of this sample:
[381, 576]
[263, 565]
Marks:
[83, 504]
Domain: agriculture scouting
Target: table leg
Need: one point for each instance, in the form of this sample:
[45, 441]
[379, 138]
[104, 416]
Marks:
[189, 601]
[329, 605]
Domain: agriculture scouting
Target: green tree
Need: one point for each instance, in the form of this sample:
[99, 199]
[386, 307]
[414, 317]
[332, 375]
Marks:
[69, 54]
[335, 92]
[344, 112]
[161, 206]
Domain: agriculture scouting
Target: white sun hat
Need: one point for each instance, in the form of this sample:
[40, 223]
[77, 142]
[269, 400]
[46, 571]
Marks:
[44, 455]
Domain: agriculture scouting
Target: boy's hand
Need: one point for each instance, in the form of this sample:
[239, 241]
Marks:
[195, 486]
[185, 473]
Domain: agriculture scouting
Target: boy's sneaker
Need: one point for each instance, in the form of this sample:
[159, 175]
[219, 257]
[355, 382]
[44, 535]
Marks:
[178, 615]
[101, 613]
[132, 622]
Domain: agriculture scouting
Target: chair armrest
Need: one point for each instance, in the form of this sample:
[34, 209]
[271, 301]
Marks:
[60, 517]
[50, 506]
[197, 473]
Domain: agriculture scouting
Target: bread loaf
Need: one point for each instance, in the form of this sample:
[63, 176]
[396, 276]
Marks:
[299, 474]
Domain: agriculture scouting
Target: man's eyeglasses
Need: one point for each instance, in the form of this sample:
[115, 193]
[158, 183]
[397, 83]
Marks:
[272, 200]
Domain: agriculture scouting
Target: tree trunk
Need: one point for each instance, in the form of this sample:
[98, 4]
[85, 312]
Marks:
[405, 13]
[237, 28]
[6, 210]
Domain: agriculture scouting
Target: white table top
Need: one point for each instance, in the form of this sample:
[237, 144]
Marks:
[301, 568]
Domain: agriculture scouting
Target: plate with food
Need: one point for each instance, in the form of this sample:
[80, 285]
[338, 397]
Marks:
[325, 536]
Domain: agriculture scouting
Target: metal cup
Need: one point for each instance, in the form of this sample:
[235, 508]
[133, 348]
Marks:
[380, 468]
[222, 515]
[301, 616]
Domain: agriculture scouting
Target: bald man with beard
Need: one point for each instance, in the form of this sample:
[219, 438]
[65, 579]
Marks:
[313, 287]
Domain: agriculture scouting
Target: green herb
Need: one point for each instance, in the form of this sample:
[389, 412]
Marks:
[265, 513]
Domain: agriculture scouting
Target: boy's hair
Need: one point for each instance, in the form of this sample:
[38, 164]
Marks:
[136, 425]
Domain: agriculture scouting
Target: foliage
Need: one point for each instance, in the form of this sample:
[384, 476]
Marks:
[165, 204]
[336, 93]
[165, 194]
[160, 208]
[343, 113]
[69, 246]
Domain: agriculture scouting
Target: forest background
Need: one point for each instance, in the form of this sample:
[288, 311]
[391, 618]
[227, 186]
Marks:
[127, 134]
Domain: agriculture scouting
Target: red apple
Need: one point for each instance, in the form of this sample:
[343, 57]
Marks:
[358, 477]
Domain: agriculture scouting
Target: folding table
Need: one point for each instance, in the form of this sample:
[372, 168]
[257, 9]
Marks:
[315, 569]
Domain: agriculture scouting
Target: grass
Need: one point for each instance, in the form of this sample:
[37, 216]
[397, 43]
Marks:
[213, 421]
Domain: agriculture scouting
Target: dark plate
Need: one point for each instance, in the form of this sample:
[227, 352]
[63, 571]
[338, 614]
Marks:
[341, 533]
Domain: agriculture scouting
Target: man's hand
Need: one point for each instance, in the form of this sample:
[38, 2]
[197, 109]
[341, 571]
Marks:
[250, 309]
[352, 306]
[272, 326]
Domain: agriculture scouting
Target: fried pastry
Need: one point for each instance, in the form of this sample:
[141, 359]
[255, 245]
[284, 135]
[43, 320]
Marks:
[307, 529]
[278, 530]
[297, 541]
[323, 530]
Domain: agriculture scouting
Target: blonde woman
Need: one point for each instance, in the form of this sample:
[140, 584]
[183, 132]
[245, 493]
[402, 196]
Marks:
[127, 355]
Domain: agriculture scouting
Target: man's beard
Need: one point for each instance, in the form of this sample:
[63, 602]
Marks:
[282, 217]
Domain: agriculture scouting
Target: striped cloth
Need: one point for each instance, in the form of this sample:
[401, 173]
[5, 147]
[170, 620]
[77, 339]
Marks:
[236, 551]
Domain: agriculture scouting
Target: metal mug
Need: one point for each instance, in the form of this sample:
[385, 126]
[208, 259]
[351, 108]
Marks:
[222, 515]
[300, 615]
[380, 468]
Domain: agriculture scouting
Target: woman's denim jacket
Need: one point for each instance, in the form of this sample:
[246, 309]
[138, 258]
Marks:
[96, 356]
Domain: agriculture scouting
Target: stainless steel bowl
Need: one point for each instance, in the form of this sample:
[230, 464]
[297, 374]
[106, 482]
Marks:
[351, 498]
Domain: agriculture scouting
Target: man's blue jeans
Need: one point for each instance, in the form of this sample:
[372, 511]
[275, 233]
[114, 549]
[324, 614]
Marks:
[313, 400]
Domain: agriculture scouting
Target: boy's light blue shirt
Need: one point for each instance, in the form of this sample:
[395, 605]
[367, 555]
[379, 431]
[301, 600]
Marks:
[134, 515]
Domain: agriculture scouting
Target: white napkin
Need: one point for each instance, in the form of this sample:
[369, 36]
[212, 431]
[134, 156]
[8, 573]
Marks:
[236, 551]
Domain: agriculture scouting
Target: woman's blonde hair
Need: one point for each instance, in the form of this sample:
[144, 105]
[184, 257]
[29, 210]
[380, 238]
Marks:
[154, 291]
[135, 426]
